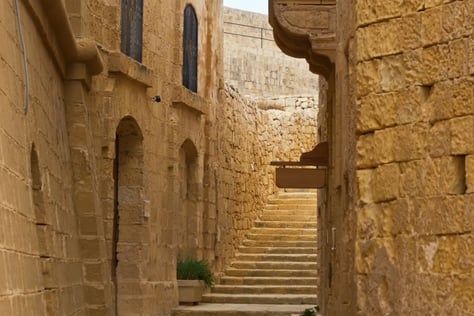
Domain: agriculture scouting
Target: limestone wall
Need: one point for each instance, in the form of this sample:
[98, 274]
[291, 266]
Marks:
[100, 181]
[40, 264]
[415, 100]
[255, 65]
[251, 135]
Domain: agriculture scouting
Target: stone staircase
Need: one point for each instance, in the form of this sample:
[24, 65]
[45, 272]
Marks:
[275, 271]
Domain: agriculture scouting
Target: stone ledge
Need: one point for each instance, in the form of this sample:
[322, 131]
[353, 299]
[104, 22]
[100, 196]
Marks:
[182, 97]
[122, 64]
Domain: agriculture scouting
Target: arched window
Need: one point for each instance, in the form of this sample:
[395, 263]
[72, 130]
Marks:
[190, 49]
[132, 28]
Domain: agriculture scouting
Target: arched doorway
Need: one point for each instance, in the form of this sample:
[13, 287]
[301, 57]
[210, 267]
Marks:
[129, 224]
[190, 217]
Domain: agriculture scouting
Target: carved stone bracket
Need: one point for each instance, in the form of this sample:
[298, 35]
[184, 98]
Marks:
[306, 29]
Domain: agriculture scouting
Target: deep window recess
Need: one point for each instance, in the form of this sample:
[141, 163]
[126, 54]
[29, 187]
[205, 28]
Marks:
[132, 28]
[190, 49]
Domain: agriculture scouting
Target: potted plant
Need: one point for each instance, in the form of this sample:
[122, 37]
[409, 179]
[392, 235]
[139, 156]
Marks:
[193, 277]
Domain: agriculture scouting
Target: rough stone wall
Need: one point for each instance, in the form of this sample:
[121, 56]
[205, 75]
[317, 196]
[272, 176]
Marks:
[92, 112]
[255, 65]
[40, 265]
[414, 93]
[252, 134]
[125, 89]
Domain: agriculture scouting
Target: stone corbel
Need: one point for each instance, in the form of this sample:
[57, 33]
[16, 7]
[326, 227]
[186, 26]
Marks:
[306, 29]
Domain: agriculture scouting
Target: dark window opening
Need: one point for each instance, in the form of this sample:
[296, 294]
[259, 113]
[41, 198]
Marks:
[132, 28]
[190, 49]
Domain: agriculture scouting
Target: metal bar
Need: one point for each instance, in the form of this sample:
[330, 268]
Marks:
[250, 36]
[249, 26]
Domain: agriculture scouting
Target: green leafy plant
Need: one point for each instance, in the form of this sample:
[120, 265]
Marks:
[313, 311]
[193, 269]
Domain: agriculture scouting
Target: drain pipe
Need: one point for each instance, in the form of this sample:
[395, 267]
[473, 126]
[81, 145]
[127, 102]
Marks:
[25, 60]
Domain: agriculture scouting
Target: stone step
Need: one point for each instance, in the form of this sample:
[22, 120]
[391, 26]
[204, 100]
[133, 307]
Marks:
[291, 206]
[280, 243]
[294, 200]
[301, 257]
[270, 273]
[295, 195]
[287, 218]
[229, 280]
[292, 224]
[209, 309]
[295, 214]
[265, 289]
[276, 237]
[260, 298]
[275, 265]
[278, 250]
[284, 231]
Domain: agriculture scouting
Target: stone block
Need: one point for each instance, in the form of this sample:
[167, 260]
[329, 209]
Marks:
[469, 165]
[454, 20]
[458, 54]
[364, 180]
[462, 134]
[410, 31]
[432, 26]
[90, 248]
[470, 60]
[369, 44]
[410, 142]
[369, 222]
[452, 98]
[439, 215]
[94, 295]
[93, 272]
[392, 71]
[466, 260]
[367, 77]
[397, 216]
[452, 174]
[85, 203]
[366, 151]
[386, 182]
[369, 11]
[435, 64]
[439, 254]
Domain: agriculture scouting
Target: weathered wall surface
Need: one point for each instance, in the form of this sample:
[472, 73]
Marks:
[415, 103]
[96, 176]
[255, 65]
[252, 134]
[40, 265]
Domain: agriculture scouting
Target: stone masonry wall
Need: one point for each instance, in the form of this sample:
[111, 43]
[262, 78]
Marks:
[92, 182]
[252, 134]
[415, 146]
[40, 264]
[255, 65]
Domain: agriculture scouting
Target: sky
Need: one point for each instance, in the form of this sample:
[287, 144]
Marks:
[260, 6]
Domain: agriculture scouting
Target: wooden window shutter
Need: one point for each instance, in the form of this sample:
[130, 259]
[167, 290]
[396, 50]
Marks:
[190, 49]
[132, 28]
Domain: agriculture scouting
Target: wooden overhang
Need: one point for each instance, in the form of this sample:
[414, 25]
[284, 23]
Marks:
[308, 173]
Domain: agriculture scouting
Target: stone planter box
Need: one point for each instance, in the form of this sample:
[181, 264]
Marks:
[190, 291]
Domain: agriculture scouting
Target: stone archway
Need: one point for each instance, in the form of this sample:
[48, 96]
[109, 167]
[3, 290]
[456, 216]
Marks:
[129, 223]
[190, 213]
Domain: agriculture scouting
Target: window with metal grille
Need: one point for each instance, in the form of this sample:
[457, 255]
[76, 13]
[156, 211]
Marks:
[132, 28]
[190, 49]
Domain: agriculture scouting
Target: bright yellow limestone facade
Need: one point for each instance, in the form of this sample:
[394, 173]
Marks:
[120, 151]
[396, 219]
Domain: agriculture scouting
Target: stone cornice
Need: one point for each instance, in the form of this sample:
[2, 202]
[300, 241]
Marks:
[306, 29]
[52, 23]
